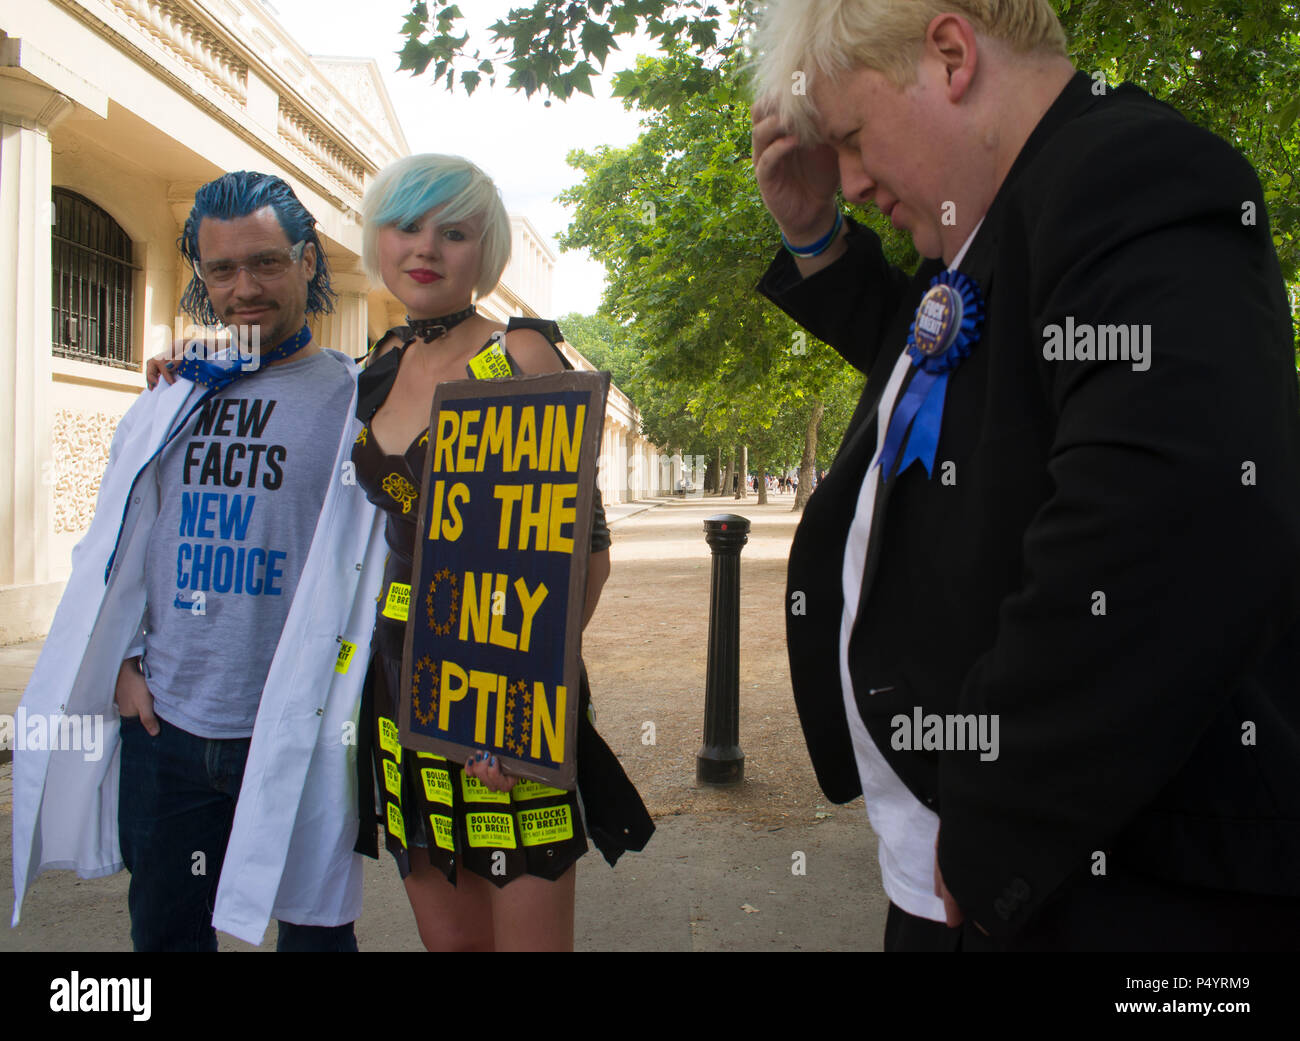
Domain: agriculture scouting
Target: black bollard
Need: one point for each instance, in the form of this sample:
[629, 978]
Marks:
[720, 760]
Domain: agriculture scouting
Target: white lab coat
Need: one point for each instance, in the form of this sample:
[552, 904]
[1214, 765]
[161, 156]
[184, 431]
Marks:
[290, 852]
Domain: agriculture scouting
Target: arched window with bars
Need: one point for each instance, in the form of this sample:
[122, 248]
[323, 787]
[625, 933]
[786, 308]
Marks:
[93, 283]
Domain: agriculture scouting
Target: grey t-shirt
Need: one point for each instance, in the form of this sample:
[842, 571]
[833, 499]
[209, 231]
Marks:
[241, 490]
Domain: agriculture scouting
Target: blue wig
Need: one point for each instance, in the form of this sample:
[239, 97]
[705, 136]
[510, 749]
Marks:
[415, 195]
[237, 195]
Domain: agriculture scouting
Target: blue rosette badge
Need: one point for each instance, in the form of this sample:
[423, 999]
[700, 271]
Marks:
[945, 330]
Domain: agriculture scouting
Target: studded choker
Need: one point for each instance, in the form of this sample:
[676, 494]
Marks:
[429, 329]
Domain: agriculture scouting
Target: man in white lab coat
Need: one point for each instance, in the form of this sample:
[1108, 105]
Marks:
[217, 618]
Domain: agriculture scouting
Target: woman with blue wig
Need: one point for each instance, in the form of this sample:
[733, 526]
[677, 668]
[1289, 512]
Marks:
[437, 235]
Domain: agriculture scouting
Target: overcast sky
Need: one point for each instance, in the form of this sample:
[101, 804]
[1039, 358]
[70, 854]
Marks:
[520, 143]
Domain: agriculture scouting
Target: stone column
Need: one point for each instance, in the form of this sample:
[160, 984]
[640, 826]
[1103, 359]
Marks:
[180, 200]
[608, 471]
[629, 470]
[635, 467]
[28, 110]
[345, 330]
[620, 463]
[630, 466]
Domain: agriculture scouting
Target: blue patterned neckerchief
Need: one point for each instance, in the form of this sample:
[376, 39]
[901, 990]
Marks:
[216, 375]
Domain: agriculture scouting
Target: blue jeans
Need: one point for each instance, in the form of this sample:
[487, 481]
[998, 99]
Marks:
[176, 805]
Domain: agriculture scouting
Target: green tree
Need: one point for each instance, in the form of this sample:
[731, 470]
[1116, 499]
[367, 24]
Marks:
[1229, 65]
[555, 46]
[678, 223]
[603, 342]
[664, 406]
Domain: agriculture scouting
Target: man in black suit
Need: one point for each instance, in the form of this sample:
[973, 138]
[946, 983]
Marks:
[1044, 610]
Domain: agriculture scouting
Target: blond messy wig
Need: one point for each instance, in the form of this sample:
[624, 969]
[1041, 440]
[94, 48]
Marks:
[827, 38]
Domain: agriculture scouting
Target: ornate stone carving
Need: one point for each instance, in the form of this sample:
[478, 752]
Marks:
[81, 444]
[179, 32]
[312, 141]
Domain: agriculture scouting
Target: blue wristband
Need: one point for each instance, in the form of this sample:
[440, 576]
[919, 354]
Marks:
[821, 245]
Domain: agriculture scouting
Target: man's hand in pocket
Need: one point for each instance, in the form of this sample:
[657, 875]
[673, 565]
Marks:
[133, 696]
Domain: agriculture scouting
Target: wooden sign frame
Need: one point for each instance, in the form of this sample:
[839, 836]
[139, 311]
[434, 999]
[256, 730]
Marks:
[447, 567]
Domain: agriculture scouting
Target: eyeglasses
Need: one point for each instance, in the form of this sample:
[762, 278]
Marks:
[264, 267]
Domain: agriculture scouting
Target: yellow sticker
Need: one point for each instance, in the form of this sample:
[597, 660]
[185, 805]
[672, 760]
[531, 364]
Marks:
[442, 831]
[398, 605]
[395, 823]
[346, 650]
[393, 777]
[525, 790]
[475, 790]
[390, 738]
[540, 827]
[493, 830]
[430, 755]
[437, 786]
[491, 363]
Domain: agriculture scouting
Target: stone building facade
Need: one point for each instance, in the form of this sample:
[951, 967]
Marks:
[112, 113]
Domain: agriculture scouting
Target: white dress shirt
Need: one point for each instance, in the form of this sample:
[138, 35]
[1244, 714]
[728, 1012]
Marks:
[906, 829]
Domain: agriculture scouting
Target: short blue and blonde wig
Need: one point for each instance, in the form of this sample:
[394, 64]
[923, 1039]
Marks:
[409, 188]
[240, 194]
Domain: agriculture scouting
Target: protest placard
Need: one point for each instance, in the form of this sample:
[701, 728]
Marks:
[500, 578]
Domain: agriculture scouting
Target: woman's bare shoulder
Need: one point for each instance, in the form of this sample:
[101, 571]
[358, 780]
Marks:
[533, 352]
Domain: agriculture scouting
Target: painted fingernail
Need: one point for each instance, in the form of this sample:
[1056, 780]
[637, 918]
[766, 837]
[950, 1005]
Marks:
[492, 761]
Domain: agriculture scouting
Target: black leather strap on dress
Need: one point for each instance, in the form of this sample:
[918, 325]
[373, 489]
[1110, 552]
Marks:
[375, 381]
[616, 819]
[547, 328]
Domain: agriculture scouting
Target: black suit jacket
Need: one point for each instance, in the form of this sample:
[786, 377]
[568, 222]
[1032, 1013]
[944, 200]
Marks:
[1165, 732]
